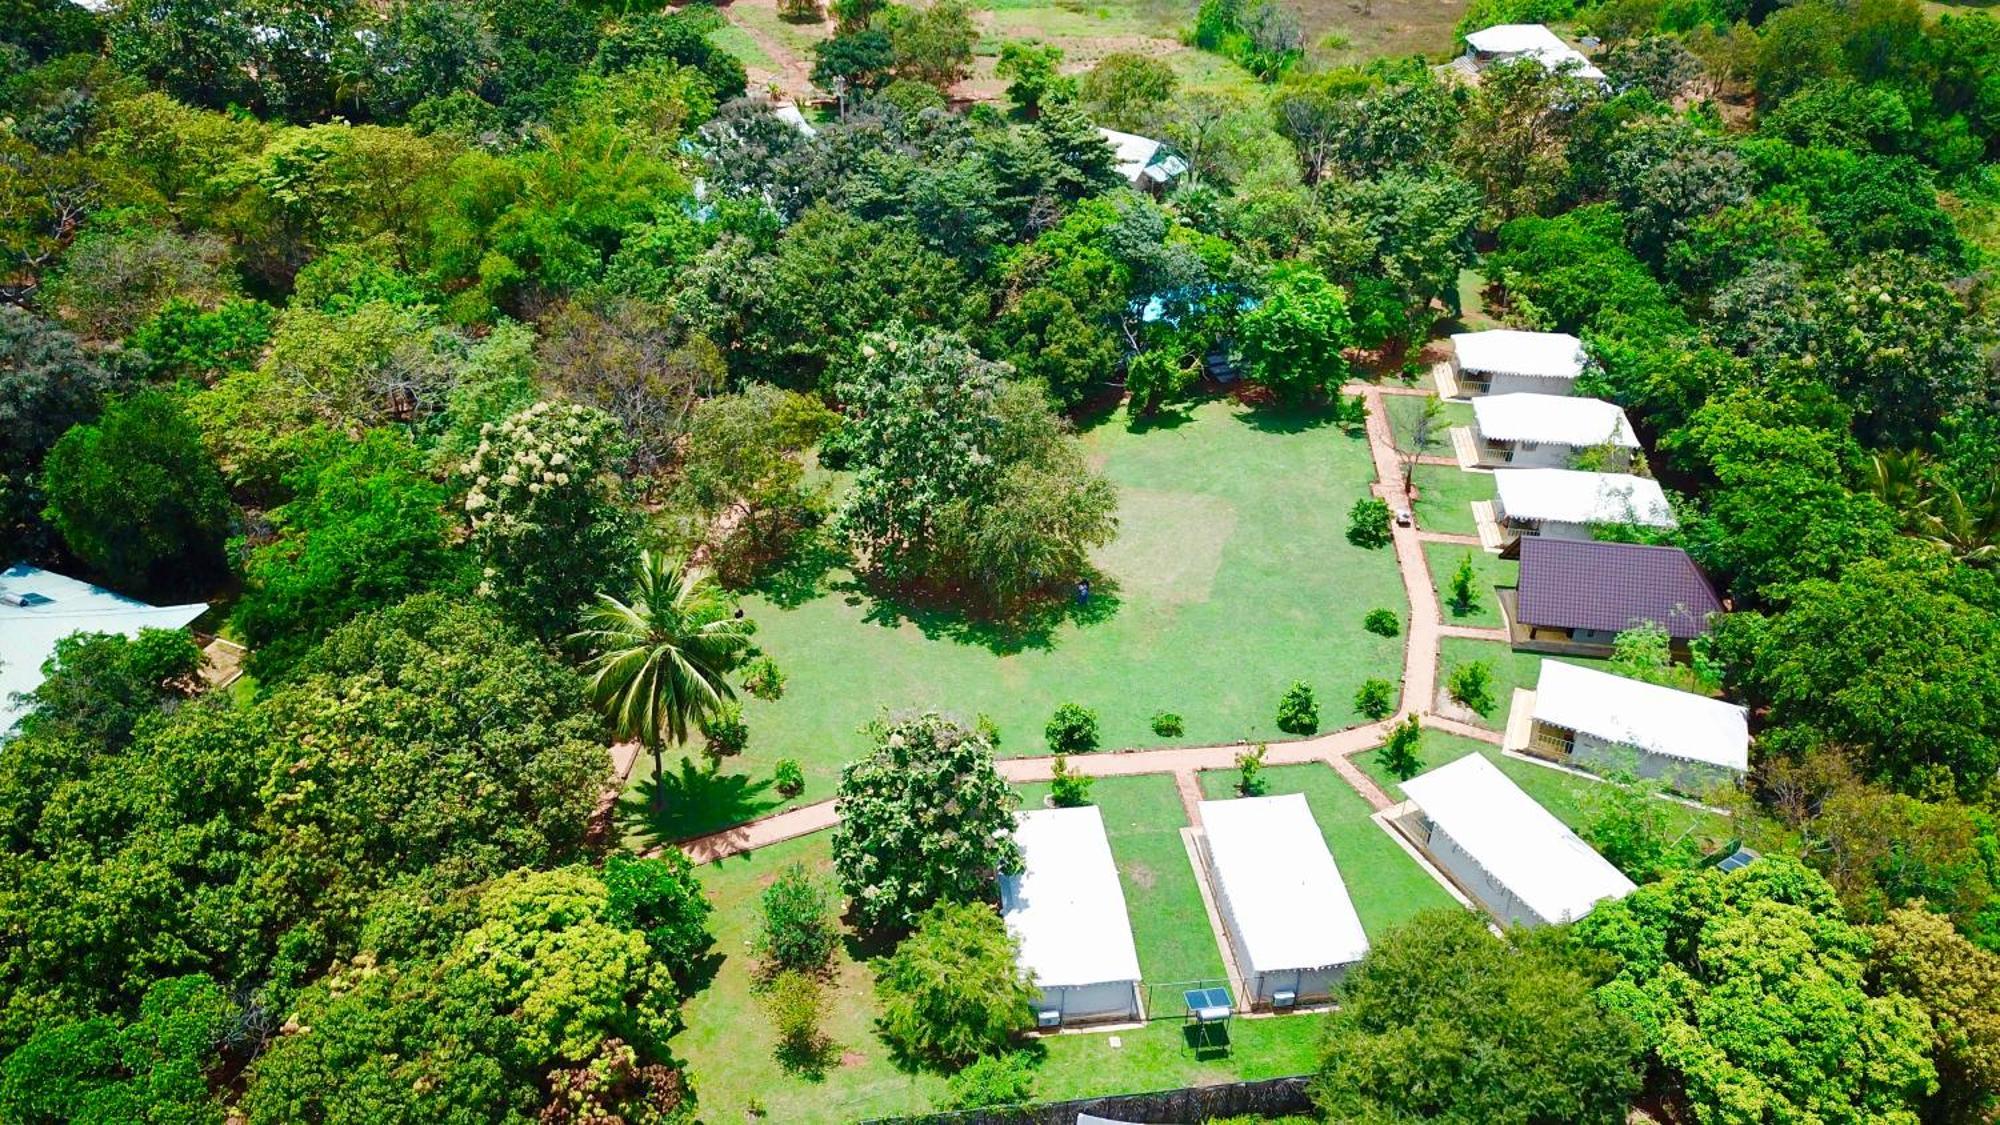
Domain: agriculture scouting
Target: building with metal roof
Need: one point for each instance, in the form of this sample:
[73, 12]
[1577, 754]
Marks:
[1289, 919]
[40, 607]
[1615, 725]
[1525, 430]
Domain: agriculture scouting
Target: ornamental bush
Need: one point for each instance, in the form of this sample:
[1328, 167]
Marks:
[724, 733]
[1298, 710]
[801, 923]
[1383, 622]
[1072, 730]
[763, 679]
[1066, 789]
[789, 777]
[1250, 779]
[1402, 752]
[951, 992]
[1368, 522]
[1166, 724]
[1376, 698]
[1472, 685]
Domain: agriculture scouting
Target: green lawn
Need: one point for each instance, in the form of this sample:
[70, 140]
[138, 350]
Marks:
[1510, 670]
[1491, 570]
[1566, 795]
[736, 41]
[1445, 496]
[1386, 885]
[1231, 577]
[1404, 409]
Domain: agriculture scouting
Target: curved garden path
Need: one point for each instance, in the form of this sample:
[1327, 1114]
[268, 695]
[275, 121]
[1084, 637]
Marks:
[1420, 656]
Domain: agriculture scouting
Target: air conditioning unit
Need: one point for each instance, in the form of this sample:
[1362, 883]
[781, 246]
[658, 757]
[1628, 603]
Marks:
[1284, 998]
[1048, 1018]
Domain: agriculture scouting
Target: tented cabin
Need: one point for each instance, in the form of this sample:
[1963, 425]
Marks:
[1545, 431]
[40, 607]
[1506, 360]
[1575, 596]
[1567, 503]
[1290, 923]
[1613, 725]
[1068, 912]
[1503, 849]
[1509, 41]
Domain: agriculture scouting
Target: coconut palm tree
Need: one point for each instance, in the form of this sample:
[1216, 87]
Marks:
[1898, 478]
[1967, 526]
[658, 661]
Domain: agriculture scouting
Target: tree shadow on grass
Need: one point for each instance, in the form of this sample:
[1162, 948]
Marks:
[699, 800]
[944, 618]
[1279, 418]
[806, 572]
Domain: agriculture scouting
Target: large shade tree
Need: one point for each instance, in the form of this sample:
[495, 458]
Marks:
[660, 658]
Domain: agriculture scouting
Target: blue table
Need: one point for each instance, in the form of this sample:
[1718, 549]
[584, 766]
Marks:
[1208, 1008]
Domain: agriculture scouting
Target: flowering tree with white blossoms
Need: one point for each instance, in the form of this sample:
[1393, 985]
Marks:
[546, 518]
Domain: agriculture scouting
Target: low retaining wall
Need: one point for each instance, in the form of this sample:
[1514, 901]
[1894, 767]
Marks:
[1272, 1097]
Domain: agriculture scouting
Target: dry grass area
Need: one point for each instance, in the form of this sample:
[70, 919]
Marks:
[1353, 31]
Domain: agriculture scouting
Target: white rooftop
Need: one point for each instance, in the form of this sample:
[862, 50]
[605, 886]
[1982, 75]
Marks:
[58, 606]
[1066, 906]
[1534, 41]
[1510, 351]
[1552, 420]
[1281, 885]
[1517, 841]
[1635, 713]
[790, 115]
[1138, 156]
[1572, 496]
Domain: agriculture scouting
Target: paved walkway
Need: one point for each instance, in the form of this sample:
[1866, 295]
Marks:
[1420, 655]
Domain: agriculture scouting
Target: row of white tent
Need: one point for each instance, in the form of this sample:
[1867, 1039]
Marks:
[1289, 921]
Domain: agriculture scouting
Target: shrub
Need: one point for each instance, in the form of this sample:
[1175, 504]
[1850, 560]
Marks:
[1072, 730]
[1383, 622]
[951, 992]
[789, 777]
[763, 679]
[1250, 780]
[724, 734]
[1376, 698]
[801, 925]
[1350, 413]
[1166, 724]
[1472, 685]
[1464, 599]
[1402, 751]
[993, 1081]
[1067, 789]
[1368, 522]
[1298, 710]
[797, 1004]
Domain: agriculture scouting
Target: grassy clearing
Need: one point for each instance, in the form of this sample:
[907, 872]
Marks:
[737, 42]
[1223, 586]
[1510, 670]
[1567, 796]
[1404, 409]
[1385, 884]
[1490, 570]
[1445, 496]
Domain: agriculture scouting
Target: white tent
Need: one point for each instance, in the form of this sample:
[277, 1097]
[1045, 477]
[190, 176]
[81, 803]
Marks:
[1661, 730]
[40, 607]
[1282, 900]
[1507, 359]
[1566, 502]
[1578, 423]
[1145, 163]
[1068, 912]
[1530, 41]
[1506, 850]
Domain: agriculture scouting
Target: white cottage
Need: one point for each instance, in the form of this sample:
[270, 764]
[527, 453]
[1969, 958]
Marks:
[40, 607]
[1508, 41]
[1504, 360]
[1567, 503]
[1068, 912]
[1610, 724]
[1504, 849]
[1525, 430]
[1292, 927]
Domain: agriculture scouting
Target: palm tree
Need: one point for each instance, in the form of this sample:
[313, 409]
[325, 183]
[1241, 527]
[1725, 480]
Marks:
[1968, 528]
[657, 661]
[1898, 478]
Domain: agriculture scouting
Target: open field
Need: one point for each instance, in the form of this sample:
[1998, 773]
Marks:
[730, 1047]
[1231, 577]
[1490, 570]
[1387, 886]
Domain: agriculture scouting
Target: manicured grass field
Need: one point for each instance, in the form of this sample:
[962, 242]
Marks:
[1231, 576]
[1386, 885]
[1566, 795]
[1491, 570]
[1510, 670]
[1445, 496]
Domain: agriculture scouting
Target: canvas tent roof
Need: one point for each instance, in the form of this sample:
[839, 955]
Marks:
[57, 607]
[1570, 496]
[1535, 41]
[1552, 420]
[1138, 156]
[1677, 724]
[1517, 841]
[1283, 890]
[1585, 584]
[1065, 905]
[1509, 351]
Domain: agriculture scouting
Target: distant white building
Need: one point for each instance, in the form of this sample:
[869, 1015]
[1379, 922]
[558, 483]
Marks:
[1289, 919]
[1502, 847]
[1567, 503]
[40, 607]
[1610, 724]
[1068, 912]
[1507, 41]
[1536, 430]
[790, 115]
[1501, 360]
[1148, 165]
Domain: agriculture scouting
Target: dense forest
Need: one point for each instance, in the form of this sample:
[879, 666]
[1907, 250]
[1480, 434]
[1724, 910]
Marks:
[415, 327]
